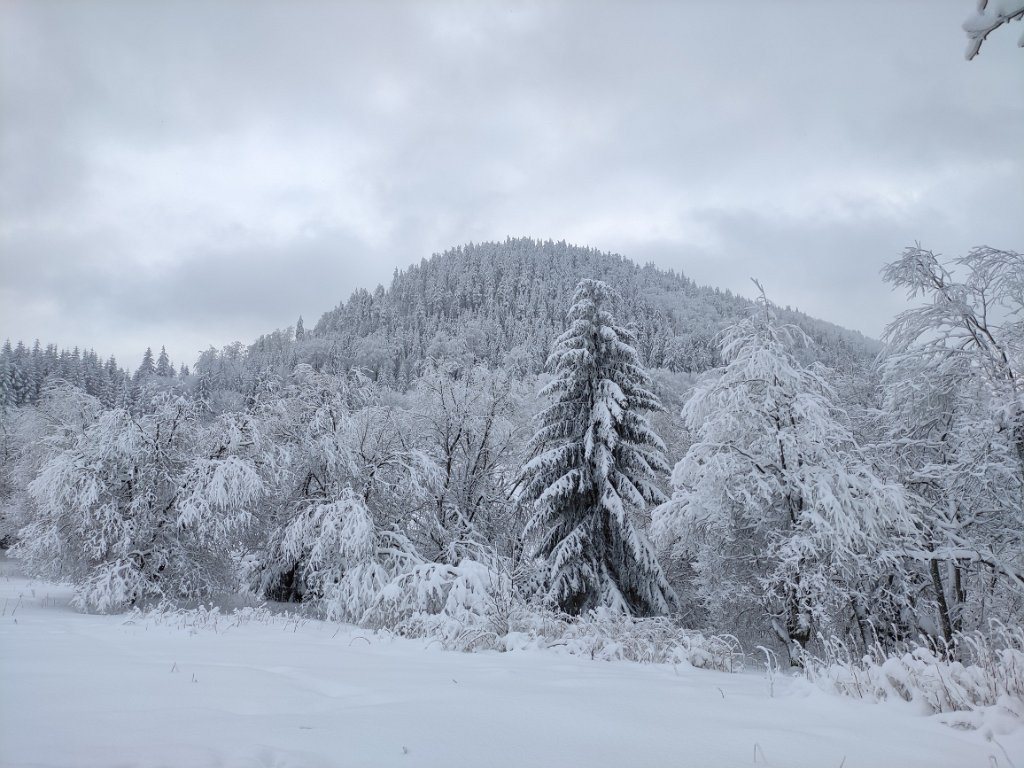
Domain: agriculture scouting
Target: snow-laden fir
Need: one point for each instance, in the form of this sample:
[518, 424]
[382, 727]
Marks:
[595, 466]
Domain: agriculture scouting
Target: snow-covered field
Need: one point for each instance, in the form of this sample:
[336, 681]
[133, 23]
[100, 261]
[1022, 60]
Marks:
[81, 690]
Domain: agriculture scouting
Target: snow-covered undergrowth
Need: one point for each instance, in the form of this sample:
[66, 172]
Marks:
[475, 606]
[599, 635]
[472, 607]
[983, 682]
[609, 636]
[212, 619]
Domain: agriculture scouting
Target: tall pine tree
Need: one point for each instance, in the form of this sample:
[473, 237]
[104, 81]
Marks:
[595, 458]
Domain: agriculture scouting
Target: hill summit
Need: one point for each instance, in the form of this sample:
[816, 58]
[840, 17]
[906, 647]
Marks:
[503, 303]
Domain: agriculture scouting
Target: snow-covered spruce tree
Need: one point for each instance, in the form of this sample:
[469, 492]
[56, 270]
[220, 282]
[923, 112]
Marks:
[594, 466]
[781, 517]
[143, 507]
[164, 368]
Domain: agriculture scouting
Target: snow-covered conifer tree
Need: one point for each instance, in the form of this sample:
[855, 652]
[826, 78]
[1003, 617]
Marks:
[595, 461]
[6, 385]
[147, 367]
[164, 367]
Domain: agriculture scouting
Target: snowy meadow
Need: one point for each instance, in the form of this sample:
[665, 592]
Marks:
[259, 688]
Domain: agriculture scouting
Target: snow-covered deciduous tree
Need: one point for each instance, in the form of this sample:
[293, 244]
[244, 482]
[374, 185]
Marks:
[962, 473]
[465, 421]
[979, 317]
[594, 467]
[335, 544]
[353, 520]
[313, 434]
[774, 506]
[143, 507]
[954, 411]
[344, 467]
[31, 435]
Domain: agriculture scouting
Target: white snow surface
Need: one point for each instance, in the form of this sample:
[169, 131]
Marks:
[91, 690]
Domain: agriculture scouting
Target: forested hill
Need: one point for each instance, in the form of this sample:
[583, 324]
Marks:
[504, 303]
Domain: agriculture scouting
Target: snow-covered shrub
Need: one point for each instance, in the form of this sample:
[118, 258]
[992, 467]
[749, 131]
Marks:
[465, 606]
[988, 673]
[213, 619]
[482, 604]
[325, 539]
[608, 635]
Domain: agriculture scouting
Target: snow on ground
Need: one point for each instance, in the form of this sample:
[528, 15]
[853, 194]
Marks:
[80, 690]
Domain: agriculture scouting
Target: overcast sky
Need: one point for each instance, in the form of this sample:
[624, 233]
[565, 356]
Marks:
[190, 174]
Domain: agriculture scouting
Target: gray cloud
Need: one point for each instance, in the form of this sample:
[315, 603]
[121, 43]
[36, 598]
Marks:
[191, 173]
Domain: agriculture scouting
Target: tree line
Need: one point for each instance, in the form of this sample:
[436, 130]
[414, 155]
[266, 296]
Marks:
[24, 373]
